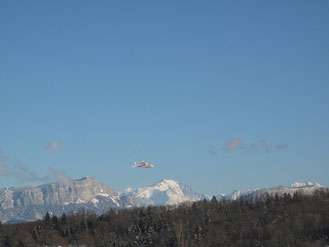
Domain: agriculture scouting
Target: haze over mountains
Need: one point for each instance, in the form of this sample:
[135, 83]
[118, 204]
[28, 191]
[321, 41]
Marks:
[33, 201]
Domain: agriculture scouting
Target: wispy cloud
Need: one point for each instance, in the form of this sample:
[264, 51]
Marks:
[253, 146]
[54, 146]
[18, 171]
[281, 146]
[61, 177]
[3, 167]
[233, 144]
[212, 150]
[23, 173]
[263, 144]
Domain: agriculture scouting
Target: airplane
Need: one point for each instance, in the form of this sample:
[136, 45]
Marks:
[143, 164]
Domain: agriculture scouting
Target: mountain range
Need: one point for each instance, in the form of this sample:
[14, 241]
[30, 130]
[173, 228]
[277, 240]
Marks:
[34, 201]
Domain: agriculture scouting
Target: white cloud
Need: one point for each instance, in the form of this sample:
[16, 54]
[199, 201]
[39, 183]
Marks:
[22, 173]
[281, 146]
[54, 146]
[253, 146]
[60, 177]
[263, 144]
[3, 167]
[233, 144]
[212, 150]
[18, 171]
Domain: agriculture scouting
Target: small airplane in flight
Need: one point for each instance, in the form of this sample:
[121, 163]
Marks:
[143, 164]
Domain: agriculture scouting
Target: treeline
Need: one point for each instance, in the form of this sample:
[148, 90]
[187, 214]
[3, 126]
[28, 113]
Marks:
[298, 220]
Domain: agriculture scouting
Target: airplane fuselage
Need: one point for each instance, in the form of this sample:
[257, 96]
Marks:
[143, 164]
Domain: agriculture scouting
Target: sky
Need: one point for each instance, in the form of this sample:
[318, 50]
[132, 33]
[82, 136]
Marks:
[219, 95]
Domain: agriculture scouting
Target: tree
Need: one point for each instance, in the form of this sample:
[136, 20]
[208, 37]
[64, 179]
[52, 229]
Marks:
[6, 241]
[63, 219]
[47, 219]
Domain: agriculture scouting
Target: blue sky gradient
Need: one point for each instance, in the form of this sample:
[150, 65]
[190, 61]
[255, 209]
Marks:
[87, 87]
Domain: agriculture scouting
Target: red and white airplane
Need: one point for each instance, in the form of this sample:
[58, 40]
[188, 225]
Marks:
[143, 164]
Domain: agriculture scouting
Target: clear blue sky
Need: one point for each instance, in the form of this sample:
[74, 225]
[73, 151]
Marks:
[219, 95]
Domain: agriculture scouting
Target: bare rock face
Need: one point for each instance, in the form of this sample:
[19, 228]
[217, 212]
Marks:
[78, 191]
[32, 202]
[6, 199]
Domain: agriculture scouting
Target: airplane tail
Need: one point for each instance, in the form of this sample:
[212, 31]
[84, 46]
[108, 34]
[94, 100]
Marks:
[134, 165]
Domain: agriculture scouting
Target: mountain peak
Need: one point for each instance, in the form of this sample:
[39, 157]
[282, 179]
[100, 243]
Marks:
[166, 191]
[166, 183]
[169, 181]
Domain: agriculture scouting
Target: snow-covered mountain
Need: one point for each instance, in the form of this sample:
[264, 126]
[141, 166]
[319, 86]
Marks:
[165, 192]
[305, 188]
[33, 201]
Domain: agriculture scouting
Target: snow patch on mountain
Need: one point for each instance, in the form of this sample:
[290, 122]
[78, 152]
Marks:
[95, 201]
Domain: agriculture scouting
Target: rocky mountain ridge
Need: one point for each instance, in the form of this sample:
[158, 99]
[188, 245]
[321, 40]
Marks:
[77, 191]
[33, 201]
